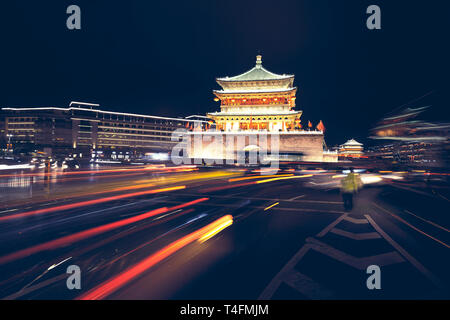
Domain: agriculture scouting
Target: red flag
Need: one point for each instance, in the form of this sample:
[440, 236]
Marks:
[309, 124]
[320, 126]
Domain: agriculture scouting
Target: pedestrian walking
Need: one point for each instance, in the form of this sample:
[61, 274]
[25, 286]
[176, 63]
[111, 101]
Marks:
[350, 186]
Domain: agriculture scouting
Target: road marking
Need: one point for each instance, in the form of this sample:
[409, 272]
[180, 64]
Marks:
[307, 286]
[405, 254]
[273, 286]
[38, 286]
[356, 236]
[331, 226]
[395, 185]
[356, 221]
[412, 227]
[427, 221]
[253, 198]
[362, 263]
[237, 206]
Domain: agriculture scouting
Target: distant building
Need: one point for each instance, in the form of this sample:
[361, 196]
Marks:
[351, 149]
[83, 128]
[401, 137]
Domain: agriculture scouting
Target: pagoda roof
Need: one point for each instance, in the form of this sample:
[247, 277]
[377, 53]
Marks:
[257, 73]
[352, 142]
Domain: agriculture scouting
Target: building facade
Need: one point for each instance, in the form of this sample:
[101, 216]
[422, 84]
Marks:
[257, 100]
[83, 128]
[257, 112]
[351, 149]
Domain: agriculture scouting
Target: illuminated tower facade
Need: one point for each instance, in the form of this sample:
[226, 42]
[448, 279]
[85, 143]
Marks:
[257, 100]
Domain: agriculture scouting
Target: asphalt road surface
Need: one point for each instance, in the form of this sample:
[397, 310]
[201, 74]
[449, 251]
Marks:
[154, 232]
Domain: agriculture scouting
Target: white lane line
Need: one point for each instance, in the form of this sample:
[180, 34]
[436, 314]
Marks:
[405, 254]
[275, 283]
[38, 286]
[356, 221]
[264, 199]
[413, 227]
[362, 263]
[427, 221]
[307, 286]
[356, 236]
[331, 226]
[300, 210]
[273, 286]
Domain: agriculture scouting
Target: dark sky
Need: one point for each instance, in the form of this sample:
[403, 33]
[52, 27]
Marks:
[162, 57]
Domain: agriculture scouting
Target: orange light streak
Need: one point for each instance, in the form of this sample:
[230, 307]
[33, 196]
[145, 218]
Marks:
[110, 286]
[87, 203]
[64, 241]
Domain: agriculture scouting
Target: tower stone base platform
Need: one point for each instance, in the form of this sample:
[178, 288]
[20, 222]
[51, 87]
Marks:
[301, 145]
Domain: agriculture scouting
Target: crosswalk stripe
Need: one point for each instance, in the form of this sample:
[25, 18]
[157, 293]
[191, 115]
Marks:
[356, 221]
[307, 286]
[384, 259]
[356, 236]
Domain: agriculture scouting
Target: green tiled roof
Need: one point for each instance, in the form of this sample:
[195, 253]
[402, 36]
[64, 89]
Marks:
[258, 73]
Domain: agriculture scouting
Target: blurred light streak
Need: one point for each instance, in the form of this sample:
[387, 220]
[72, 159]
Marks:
[286, 178]
[110, 286]
[227, 187]
[88, 203]
[270, 207]
[393, 177]
[369, 179]
[15, 167]
[259, 177]
[216, 230]
[137, 169]
[64, 241]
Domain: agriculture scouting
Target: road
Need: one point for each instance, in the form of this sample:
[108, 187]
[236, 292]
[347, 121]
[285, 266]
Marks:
[155, 232]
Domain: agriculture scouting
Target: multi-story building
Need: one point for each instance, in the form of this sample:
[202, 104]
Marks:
[83, 128]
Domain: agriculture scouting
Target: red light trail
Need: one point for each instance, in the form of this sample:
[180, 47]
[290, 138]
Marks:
[88, 203]
[108, 287]
[64, 241]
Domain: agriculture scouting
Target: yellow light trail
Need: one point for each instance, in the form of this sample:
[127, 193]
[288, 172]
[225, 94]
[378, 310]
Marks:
[216, 230]
[286, 178]
[258, 177]
[270, 207]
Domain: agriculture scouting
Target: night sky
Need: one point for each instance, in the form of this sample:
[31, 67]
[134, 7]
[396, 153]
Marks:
[162, 57]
